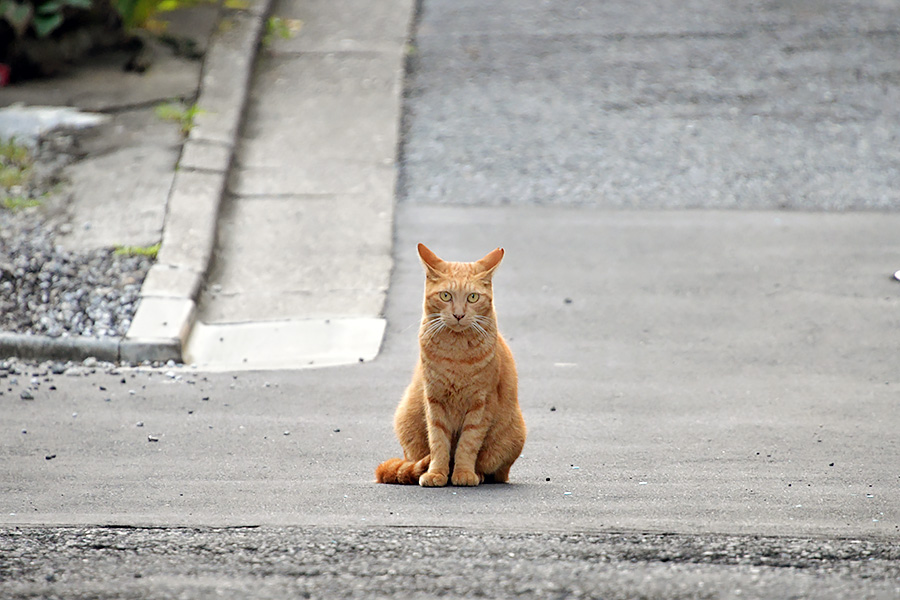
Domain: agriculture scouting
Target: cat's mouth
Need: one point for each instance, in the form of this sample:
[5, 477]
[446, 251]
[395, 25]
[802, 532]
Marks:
[458, 326]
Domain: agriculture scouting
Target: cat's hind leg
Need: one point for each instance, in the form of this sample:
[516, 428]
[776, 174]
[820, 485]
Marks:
[499, 452]
[411, 430]
[501, 475]
[410, 425]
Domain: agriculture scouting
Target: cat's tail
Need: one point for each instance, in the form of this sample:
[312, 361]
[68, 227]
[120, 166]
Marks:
[398, 470]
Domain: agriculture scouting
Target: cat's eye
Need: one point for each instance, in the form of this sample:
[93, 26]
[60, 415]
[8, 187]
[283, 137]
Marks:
[445, 296]
[473, 297]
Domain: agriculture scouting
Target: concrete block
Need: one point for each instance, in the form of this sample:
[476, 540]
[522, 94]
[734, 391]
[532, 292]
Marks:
[159, 330]
[136, 351]
[327, 106]
[169, 281]
[260, 8]
[345, 25]
[284, 344]
[338, 249]
[315, 176]
[244, 306]
[190, 229]
[161, 319]
[204, 155]
[227, 70]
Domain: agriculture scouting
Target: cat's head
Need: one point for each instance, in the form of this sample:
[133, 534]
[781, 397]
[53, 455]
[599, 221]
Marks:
[459, 296]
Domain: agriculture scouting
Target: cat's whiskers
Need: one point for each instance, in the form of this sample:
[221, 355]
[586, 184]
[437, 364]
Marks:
[484, 326]
[485, 322]
[479, 330]
[432, 324]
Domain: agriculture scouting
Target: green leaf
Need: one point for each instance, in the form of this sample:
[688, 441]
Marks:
[85, 4]
[18, 15]
[127, 9]
[44, 26]
[49, 8]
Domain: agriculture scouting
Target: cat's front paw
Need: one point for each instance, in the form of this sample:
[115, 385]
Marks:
[429, 479]
[470, 478]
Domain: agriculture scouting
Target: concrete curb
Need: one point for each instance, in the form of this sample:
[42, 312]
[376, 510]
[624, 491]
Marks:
[42, 347]
[166, 310]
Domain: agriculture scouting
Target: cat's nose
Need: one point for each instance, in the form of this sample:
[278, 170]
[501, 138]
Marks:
[459, 317]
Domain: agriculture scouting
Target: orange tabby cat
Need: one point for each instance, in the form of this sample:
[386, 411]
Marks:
[460, 414]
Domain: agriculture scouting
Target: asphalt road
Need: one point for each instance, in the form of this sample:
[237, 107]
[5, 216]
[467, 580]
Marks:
[751, 416]
[431, 563]
[651, 104]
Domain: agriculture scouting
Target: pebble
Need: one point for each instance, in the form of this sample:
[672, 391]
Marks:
[47, 290]
[26, 395]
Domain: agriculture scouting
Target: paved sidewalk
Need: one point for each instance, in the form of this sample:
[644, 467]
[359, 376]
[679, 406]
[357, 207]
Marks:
[302, 262]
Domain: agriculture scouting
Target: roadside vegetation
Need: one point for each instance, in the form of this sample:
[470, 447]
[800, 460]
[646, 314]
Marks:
[16, 168]
[180, 113]
[149, 251]
[40, 37]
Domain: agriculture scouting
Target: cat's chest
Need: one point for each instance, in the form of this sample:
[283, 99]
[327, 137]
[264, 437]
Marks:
[458, 382]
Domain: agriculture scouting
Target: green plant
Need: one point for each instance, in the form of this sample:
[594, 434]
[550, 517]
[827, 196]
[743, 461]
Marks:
[150, 251]
[180, 113]
[13, 176]
[136, 13]
[15, 164]
[140, 13]
[279, 27]
[10, 150]
[19, 202]
[42, 17]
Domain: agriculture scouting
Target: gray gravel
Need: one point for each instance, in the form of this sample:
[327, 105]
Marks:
[428, 563]
[47, 290]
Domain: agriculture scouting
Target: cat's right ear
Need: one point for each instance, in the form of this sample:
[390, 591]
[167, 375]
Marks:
[433, 265]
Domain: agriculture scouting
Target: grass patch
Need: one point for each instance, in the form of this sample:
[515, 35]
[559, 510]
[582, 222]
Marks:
[15, 164]
[19, 203]
[150, 251]
[279, 27]
[179, 113]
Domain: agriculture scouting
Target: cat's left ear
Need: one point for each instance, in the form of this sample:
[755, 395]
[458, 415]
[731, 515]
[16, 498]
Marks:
[490, 262]
[433, 265]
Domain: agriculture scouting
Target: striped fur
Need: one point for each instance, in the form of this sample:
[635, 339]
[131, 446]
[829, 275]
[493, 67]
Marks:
[459, 420]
